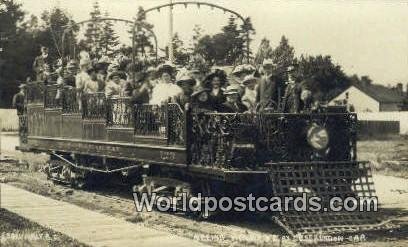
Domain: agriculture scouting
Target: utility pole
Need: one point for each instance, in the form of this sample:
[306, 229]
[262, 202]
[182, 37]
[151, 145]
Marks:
[171, 48]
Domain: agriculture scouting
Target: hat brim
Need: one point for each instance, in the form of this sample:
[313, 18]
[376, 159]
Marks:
[190, 82]
[198, 92]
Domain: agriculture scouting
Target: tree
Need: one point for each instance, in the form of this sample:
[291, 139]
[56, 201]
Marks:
[50, 34]
[247, 30]
[181, 55]
[142, 33]
[321, 76]
[264, 51]
[283, 55]
[224, 48]
[109, 39]
[13, 62]
[93, 32]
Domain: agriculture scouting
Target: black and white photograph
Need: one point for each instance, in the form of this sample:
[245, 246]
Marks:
[203, 123]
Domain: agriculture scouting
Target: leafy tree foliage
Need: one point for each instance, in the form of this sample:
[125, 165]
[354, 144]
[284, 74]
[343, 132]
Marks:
[142, 33]
[227, 47]
[324, 78]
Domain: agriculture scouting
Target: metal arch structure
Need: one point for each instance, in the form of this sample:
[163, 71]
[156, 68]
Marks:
[132, 23]
[198, 4]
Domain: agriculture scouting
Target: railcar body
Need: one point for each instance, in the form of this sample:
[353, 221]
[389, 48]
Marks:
[219, 154]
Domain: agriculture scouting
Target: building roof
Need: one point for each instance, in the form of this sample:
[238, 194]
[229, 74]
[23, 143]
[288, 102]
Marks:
[381, 93]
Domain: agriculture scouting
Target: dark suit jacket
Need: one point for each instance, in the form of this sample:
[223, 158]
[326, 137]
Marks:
[229, 108]
[267, 90]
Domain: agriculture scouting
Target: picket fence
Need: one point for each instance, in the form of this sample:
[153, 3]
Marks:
[8, 120]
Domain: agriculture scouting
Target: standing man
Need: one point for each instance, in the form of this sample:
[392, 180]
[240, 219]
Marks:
[18, 100]
[267, 92]
[41, 64]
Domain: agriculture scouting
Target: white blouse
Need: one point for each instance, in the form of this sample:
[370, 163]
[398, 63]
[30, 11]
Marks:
[162, 92]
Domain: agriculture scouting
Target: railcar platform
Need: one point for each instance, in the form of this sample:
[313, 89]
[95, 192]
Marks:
[88, 227]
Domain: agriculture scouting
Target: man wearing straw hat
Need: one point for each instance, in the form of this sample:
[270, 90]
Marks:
[267, 93]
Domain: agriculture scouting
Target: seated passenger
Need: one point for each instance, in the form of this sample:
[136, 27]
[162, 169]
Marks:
[215, 82]
[249, 98]
[101, 72]
[200, 100]
[69, 75]
[165, 89]
[82, 76]
[186, 82]
[137, 87]
[91, 85]
[113, 87]
[233, 103]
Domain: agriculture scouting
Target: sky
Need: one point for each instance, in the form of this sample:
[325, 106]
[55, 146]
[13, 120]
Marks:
[364, 37]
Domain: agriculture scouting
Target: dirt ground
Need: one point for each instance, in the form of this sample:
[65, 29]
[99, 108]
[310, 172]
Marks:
[236, 230]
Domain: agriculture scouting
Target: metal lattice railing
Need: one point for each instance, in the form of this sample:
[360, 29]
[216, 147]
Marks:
[151, 120]
[69, 100]
[94, 106]
[120, 112]
[35, 92]
[53, 98]
[239, 139]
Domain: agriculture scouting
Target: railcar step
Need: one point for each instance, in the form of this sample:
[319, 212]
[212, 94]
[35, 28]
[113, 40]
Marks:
[325, 180]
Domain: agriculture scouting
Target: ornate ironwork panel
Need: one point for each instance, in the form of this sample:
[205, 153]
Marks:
[120, 112]
[53, 96]
[176, 124]
[250, 139]
[69, 100]
[94, 106]
[151, 120]
[35, 92]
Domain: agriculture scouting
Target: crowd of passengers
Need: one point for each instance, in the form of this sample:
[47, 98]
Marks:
[244, 89]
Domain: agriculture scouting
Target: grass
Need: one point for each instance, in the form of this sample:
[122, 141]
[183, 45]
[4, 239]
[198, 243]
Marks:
[18, 231]
[389, 157]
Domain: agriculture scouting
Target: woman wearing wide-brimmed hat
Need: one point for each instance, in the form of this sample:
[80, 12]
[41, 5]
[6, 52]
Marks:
[114, 84]
[165, 89]
[186, 82]
[200, 100]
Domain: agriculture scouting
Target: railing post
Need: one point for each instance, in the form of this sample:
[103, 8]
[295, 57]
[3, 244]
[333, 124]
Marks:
[188, 122]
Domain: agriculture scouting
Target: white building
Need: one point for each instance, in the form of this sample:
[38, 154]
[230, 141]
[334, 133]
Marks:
[371, 98]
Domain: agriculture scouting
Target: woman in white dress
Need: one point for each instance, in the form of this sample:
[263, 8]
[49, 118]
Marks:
[165, 89]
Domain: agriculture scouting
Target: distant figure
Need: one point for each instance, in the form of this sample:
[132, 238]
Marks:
[42, 65]
[18, 100]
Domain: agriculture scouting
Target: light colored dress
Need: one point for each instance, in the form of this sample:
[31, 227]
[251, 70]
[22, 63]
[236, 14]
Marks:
[91, 86]
[162, 92]
[81, 78]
